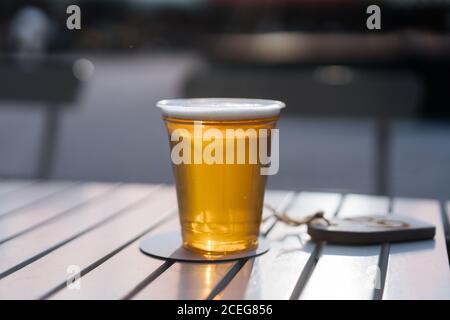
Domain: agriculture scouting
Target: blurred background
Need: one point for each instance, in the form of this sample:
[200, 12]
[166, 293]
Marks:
[367, 111]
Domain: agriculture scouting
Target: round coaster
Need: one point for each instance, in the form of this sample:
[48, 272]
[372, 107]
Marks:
[167, 246]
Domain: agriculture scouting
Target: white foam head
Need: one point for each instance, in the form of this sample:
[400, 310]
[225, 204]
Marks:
[220, 108]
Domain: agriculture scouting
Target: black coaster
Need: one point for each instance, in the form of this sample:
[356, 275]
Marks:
[167, 246]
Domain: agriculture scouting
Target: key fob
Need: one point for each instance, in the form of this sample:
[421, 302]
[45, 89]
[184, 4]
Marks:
[373, 229]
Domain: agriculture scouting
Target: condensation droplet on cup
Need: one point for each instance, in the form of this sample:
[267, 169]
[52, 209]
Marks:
[83, 69]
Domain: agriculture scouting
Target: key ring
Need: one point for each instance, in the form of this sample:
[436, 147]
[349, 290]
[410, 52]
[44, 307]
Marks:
[283, 217]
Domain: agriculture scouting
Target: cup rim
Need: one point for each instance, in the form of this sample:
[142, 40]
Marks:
[220, 108]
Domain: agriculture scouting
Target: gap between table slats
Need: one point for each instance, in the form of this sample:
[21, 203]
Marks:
[278, 273]
[21, 251]
[32, 217]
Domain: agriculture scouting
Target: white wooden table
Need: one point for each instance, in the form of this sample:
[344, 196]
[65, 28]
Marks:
[48, 231]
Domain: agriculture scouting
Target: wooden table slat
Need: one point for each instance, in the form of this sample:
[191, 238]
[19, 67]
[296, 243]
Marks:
[44, 275]
[419, 270]
[260, 278]
[24, 249]
[28, 195]
[346, 272]
[33, 216]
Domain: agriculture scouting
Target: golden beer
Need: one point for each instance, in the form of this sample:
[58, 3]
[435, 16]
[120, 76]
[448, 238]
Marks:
[220, 200]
